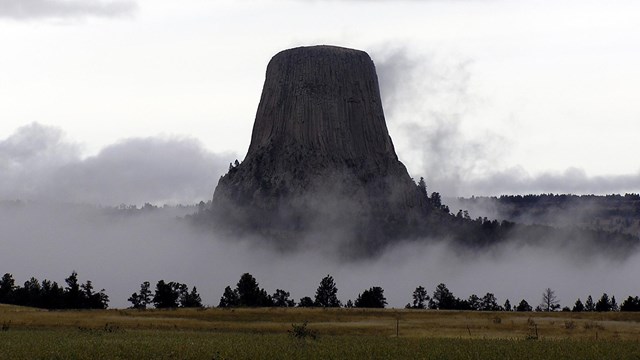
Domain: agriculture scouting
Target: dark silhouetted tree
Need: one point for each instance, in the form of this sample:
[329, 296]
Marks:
[250, 294]
[372, 298]
[7, 287]
[146, 296]
[52, 295]
[604, 304]
[630, 304]
[489, 303]
[436, 201]
[29, 294]
[281, 299]
[422, 186]
[523, 306]
[420, 297]
[141, 299]
[474, 302]
[73, 295]
[549, 300]
[166, 295]
[578, 307]
[230, 298]
[443, 299]
[134, 299]
[91, 299]
[614, 304]
[189, 299]
[507, 305]
[306, 302]
[326, 294]
[349, 304]
[589, 305]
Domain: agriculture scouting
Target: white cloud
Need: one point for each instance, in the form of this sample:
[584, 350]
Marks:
[31, 9]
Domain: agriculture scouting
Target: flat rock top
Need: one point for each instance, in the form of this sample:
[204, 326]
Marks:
[319, 49]
[322, 98]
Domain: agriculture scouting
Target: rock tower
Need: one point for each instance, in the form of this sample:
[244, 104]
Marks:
[321, 163]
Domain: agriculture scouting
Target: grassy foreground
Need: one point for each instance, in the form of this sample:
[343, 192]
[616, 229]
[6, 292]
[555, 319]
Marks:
[341, 333]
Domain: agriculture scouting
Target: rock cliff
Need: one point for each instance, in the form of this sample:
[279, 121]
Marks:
[321, 161]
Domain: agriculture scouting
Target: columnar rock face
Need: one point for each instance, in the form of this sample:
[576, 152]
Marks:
[322, 99]
[320, 160]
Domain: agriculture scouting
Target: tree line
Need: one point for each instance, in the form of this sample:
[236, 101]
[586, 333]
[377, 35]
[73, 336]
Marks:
[167, 295]
[50, 295]
[248, 293]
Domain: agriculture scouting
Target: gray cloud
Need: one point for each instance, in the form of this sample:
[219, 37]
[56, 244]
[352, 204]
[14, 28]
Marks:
[37, 163]
[33, 9]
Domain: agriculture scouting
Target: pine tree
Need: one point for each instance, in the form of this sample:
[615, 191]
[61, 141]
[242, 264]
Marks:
[443, 298]
[489, 303]
[141, 299]
[523, 306]
[420, 298]
[326, 294]
[7, 287]
[589, 305]
[578, 307]
[474, 302]
[372, 298]
[230, 298]
[281, 299]
[250, 294]
[72, 292]
[190, 299]
[306, 302]
[604, 304]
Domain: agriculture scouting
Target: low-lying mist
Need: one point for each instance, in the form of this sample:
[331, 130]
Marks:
[118, 250]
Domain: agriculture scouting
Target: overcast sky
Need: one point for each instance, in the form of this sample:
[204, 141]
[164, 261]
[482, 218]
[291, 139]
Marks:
[482, 97]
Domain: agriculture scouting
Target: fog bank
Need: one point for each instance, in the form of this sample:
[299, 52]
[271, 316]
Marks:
[118, 251]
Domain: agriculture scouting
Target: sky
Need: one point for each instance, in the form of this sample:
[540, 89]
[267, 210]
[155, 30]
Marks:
[135, 101]
[482, 97]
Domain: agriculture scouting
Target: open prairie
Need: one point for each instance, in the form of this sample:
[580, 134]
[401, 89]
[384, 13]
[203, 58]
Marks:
[329, 333]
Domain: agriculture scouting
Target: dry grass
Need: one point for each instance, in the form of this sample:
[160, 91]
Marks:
[409, 323]
[342, 334]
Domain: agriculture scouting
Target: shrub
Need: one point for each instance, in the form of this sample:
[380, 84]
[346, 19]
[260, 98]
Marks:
[302, 332]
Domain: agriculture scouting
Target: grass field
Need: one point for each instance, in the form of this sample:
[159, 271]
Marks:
[341, 333]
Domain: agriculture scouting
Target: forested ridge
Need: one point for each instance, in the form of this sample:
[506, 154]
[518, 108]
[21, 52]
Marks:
[613, 213]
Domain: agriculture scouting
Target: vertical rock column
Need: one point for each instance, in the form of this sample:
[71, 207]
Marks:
[320, 158]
